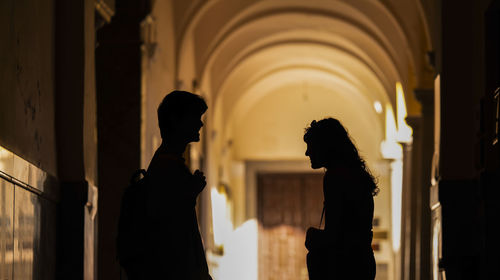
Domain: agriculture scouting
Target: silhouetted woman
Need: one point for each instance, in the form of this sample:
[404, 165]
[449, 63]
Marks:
[343, 249]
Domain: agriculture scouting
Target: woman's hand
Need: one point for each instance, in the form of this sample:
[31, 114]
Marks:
[314, 238]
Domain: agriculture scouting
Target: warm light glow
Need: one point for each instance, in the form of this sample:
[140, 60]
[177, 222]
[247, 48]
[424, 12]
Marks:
[396, 198]
[389, 147]
[221, 221]
[240, 260]
[390, 124]
[437, 130]
[404, 131]
[4, 155]
[435, 249]
[378, 107]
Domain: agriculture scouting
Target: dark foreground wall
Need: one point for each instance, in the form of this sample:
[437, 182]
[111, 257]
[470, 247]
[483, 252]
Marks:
[468, 170]
[48, 137]
[28, 186]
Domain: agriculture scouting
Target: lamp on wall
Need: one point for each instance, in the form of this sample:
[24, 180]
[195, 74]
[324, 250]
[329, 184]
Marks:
[148, 36]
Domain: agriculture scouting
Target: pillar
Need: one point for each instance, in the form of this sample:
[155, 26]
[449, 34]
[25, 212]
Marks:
[118, 83]
[425, 137]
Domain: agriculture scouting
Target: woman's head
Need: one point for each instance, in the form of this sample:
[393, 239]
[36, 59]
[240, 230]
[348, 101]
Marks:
[329, 145]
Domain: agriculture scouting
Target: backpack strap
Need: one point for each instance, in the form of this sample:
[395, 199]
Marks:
[322, 215]
[137, 176]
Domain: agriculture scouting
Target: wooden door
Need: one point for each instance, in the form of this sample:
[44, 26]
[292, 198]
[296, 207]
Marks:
[288, 203]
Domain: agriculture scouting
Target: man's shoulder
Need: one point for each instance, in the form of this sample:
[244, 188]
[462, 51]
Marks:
[166, 161]
[167, 170]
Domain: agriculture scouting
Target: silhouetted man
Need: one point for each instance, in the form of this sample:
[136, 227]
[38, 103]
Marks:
[175, 249]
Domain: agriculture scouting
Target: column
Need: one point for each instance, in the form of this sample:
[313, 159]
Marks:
[118, 83]
[426, 147]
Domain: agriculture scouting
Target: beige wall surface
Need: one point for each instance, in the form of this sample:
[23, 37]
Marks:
[274, 127]
[158, 73]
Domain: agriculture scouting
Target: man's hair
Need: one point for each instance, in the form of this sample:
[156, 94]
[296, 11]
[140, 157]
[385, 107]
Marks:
[179, 103]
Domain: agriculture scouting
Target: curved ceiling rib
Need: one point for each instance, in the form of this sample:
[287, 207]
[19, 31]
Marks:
[224, 62]
[300, 56]
[217, 21]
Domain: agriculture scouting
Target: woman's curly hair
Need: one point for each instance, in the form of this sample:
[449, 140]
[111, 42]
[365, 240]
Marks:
[329, 134]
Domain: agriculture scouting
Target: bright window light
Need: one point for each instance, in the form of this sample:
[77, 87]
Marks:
[390, 148]
[404, 131]
[220, 213]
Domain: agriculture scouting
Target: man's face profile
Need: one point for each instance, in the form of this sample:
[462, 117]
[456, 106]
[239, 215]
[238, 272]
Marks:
[189, 126]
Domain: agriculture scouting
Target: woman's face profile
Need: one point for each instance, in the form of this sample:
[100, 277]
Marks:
[316, 155]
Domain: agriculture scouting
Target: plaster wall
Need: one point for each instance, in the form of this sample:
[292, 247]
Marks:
[27, 81]
[158, 73]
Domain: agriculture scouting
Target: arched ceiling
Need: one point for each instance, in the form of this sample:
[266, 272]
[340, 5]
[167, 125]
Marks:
[241, 46]
[242, 50]
[273, 126]
[399, 25]
[287, 63]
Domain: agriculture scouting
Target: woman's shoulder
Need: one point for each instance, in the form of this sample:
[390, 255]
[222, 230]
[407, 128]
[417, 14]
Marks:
[347, 181]
[341, 175]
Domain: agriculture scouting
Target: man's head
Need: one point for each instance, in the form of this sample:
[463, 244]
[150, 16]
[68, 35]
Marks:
[179, 116]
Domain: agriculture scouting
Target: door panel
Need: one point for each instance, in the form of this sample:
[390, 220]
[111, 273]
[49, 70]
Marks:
[288, 203]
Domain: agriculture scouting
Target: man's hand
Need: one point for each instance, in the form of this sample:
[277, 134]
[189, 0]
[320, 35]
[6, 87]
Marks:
[199, 181]
[313, 238]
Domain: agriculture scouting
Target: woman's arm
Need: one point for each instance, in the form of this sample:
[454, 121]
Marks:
[331, 235]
